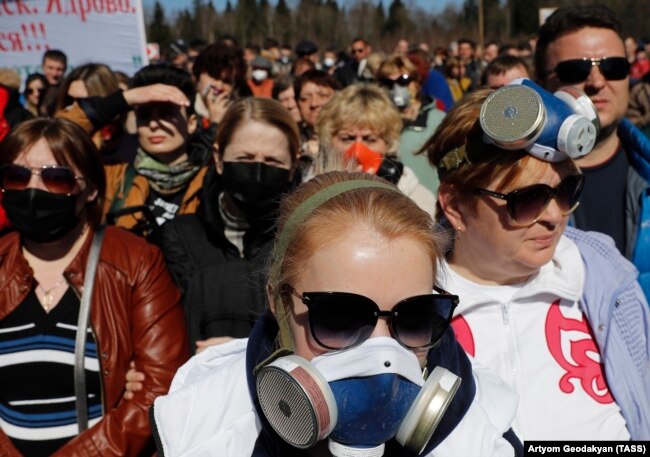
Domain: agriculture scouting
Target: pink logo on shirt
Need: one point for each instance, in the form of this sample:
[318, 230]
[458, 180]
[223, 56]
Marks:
[576, 358]
[463, 334]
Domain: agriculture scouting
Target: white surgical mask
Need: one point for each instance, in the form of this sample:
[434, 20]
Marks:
[329, 61]
[259, 75]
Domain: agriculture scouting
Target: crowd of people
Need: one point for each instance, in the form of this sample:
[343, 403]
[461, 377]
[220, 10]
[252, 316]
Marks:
[269, 250]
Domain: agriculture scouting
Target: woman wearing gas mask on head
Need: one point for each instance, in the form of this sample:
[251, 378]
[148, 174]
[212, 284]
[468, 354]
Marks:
[338, 365]
[361, 124]
[78, 303]
[555, 311]
[217, 255]
[420, 115]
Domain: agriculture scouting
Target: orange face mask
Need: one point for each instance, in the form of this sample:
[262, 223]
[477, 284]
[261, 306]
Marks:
[369, 160]
[375, 163]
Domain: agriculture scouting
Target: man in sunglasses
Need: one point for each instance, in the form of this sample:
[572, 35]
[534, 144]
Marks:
[582, 46]
[354, 69]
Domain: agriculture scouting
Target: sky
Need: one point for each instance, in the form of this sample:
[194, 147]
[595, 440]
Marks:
[173, 5]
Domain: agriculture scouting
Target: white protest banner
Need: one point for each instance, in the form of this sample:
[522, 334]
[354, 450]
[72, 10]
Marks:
[99, 31]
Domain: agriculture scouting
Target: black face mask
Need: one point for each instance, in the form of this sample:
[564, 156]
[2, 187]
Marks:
[256, 188]
[39, 215]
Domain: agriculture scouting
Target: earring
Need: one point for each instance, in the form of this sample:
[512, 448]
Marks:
[458, 232]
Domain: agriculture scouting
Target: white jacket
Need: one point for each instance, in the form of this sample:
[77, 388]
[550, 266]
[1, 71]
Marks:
[411, 187]
[209, 412]
[536, 337]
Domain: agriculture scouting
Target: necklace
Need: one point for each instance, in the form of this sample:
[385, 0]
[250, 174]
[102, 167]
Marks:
[48, 297]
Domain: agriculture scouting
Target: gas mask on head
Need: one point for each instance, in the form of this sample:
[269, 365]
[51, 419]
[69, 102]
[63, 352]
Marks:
[400, 95]
[358, 398]
[389, 168]
[551, 127]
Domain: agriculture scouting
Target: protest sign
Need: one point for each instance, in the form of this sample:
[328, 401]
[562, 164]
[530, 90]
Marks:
[101, 31]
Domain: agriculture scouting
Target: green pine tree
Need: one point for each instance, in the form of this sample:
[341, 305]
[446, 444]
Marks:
[159, 30]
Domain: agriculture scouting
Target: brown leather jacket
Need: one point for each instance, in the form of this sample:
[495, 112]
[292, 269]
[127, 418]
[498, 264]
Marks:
[135, 315]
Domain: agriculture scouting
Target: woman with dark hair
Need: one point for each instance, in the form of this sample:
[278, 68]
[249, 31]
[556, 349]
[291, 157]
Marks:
[220, 74]
[283, 92]
[35, 86]
[94, 80]
[167, 172]
[78, 303]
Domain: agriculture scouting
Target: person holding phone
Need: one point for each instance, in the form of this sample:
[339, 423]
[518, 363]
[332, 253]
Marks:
[220, 74]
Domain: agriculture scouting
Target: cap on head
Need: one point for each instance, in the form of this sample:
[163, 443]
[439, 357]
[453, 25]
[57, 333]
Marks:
[178, 47]
[261, 62]
[305, 48]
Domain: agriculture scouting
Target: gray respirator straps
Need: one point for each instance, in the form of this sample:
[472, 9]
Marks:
[551, 127]
[286, 236]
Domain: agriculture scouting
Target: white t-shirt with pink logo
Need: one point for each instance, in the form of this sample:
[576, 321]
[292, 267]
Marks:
[536, 337]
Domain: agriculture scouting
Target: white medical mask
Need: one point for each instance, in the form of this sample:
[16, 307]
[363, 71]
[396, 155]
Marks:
[259, 75]
[400, 95]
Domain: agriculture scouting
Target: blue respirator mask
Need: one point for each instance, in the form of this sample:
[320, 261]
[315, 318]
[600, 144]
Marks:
[551, 127]
[358, 398]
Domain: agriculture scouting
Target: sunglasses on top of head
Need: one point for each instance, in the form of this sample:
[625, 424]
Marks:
[342, 320]
[57, 179]
[575, 71]
[403, 80]
[527, 204]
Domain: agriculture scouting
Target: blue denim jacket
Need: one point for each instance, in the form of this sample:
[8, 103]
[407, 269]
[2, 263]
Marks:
[618, 313]
[637, 201]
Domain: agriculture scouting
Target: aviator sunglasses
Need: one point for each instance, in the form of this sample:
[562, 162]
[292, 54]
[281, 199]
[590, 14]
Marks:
[527, 204]
[342, 320]
[57, 179]
[577, 70]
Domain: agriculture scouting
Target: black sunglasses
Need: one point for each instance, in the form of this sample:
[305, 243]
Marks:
[527, 204]
[57, 179]
[577, 70]
[31, 90]
[403, 80]
[342, 320]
